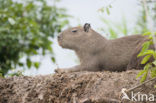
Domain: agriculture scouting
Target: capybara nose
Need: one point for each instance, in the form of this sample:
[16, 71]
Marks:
[59, 37]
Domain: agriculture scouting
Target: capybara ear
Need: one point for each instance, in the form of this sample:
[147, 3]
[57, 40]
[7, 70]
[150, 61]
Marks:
[86, 27]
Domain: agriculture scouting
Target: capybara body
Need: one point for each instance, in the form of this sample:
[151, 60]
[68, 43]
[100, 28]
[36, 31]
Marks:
[97, 53]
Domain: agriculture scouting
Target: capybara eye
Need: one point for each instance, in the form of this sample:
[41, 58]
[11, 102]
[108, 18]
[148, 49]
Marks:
[74, 31]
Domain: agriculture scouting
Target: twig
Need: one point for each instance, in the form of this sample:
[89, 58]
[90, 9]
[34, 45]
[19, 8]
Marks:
[137, 86]
[140, 84]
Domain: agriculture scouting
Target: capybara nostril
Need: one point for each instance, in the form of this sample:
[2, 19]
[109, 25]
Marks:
[59, 37]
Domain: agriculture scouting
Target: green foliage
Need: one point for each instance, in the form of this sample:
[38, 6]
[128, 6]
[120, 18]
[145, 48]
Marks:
[26, 29]
[150, 67]
[1, 75]
[145, 59]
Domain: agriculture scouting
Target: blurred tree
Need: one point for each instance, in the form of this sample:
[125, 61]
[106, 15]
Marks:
[26, 29]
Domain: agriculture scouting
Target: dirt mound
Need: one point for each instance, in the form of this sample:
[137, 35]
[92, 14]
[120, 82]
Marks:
[79, 87]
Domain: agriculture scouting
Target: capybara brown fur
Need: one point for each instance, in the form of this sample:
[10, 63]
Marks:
[97, 53]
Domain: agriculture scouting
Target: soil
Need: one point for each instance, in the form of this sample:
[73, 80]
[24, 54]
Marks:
[78, 87]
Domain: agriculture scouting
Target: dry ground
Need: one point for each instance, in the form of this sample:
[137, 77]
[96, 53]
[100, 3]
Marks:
[78, 87]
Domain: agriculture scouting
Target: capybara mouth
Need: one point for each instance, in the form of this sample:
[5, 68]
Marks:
[60, 41]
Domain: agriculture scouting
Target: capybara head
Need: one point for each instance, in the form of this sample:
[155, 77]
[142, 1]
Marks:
[74, 38]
